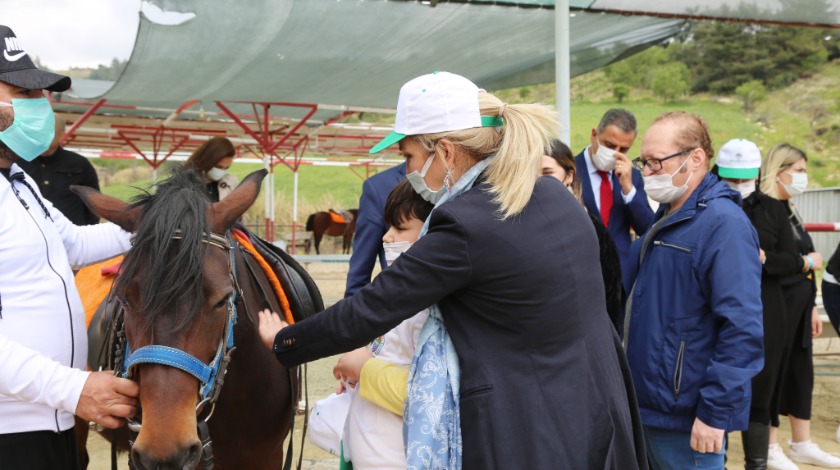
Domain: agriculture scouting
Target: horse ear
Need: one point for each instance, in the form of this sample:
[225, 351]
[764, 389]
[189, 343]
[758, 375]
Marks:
[109, 208]
[229, 209]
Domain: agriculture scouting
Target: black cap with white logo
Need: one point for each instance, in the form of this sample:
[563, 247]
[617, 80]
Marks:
[16, 68]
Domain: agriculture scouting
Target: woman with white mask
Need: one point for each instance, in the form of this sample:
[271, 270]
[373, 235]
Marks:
[784, 176]
[507, 262]
[738, 164]
[213, 159]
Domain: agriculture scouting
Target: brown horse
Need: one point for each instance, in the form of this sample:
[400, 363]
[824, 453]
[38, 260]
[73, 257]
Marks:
[186, 304]
[322, 223]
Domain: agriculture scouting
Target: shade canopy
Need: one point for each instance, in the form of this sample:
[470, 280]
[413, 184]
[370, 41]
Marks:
[335, 57]
[290, 69]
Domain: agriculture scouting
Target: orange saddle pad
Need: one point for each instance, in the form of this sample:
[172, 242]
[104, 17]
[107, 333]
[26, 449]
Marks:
[336, 217]
[94, 282]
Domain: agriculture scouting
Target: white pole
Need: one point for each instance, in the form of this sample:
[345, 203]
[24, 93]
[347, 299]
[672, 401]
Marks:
[562, 70]
[295, 199]
[269, 198]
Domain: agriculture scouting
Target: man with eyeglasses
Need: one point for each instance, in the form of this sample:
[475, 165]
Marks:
[611, 189]
[693, 330]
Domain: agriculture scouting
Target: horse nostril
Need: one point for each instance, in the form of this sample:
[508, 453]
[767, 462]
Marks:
[138, 461]
[193, 456]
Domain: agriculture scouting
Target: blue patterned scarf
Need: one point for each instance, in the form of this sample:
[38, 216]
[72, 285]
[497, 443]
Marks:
[431, 420]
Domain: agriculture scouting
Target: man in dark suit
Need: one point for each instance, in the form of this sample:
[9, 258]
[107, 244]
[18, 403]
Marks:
[610, 187]
[58, 168]
[370, 227]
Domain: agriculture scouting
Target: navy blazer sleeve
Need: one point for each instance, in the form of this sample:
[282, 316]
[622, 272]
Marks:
[640, 213]
[436, 265]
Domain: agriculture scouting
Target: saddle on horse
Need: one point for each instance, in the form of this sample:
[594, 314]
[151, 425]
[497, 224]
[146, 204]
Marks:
[302, 296]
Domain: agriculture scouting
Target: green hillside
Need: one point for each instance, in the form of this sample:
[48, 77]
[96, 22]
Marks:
[804, 113]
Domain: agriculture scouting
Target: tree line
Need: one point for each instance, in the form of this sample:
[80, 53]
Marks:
[725, 58]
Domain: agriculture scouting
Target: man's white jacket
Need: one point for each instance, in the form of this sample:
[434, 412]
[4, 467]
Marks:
[43, 342]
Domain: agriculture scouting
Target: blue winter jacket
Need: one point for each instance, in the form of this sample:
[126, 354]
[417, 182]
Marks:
[695, 335]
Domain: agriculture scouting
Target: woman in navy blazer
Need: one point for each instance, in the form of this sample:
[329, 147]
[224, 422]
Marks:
[509, 262]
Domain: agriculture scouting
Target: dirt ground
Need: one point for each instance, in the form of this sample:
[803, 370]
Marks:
[331, 277]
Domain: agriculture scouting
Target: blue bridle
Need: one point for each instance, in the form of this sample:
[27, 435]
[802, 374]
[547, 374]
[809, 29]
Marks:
[211, 375]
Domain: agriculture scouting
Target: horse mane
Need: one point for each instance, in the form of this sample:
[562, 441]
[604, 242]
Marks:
[173, 271]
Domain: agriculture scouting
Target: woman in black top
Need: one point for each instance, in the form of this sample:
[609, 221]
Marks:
[560, 164]
[784, 176]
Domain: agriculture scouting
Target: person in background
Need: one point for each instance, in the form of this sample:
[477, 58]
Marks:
[738, 164]
[694, 319]
[831, 290]
[370, 227]
[784, 175]
[831, 298]
[213, 158]
[611, 188]
[58, 168]
[499, 370]
[560, 164]
[43, 345]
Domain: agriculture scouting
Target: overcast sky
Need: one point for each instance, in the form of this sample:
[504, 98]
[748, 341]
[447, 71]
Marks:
[73, 33]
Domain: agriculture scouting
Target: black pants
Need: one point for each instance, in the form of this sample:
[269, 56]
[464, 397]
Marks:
[764, 385]
[39, 450]
[796, 383]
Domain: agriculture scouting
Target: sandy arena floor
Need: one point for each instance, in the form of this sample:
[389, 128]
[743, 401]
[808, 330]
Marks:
[330, 278]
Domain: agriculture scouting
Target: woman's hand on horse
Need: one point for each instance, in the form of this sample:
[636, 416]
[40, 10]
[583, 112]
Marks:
[349, 366]
[107, 400]
[270, 325]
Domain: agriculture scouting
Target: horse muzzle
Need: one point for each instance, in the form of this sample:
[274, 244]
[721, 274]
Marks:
[186, 458]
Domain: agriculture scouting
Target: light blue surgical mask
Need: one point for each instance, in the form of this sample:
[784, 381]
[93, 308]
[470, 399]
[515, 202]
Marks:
[419, 184]
[33, 129]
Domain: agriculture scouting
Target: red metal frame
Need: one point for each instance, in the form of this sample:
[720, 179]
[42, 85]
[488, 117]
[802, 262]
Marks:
[68, 136]
[157, 136]
[264, 136]
[823, 227]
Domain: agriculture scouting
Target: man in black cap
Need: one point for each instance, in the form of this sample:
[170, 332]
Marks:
[43, 343]
[56, 170]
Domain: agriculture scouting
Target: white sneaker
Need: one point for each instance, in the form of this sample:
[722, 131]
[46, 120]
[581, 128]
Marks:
[777, 460]
[810, 453]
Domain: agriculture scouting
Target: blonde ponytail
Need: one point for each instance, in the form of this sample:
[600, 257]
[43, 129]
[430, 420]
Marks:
[518, 146]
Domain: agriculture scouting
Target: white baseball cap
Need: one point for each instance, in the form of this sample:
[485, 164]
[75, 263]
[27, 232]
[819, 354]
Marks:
[739, 159]
[437, 102]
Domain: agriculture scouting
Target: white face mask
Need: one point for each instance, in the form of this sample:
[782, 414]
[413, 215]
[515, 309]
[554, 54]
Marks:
[394, 250]
[604, 158]
[419, 184]
[661, 188]
[746, 188]
[216, 174]
[798, 184]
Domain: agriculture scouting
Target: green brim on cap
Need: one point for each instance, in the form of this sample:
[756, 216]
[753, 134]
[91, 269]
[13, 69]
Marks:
[394, 137]
[388, 141]
[738, 173]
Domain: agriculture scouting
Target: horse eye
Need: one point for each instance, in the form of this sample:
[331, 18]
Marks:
[223, 302]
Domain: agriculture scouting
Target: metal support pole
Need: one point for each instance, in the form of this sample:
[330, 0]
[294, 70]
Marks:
[562, 70]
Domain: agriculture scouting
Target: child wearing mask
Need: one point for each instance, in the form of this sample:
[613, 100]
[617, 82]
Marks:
[373, 437]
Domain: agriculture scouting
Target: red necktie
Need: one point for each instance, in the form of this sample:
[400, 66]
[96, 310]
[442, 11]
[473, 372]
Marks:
[606, 197]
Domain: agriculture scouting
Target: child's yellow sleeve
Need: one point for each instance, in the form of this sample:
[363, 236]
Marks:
[384, 385]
